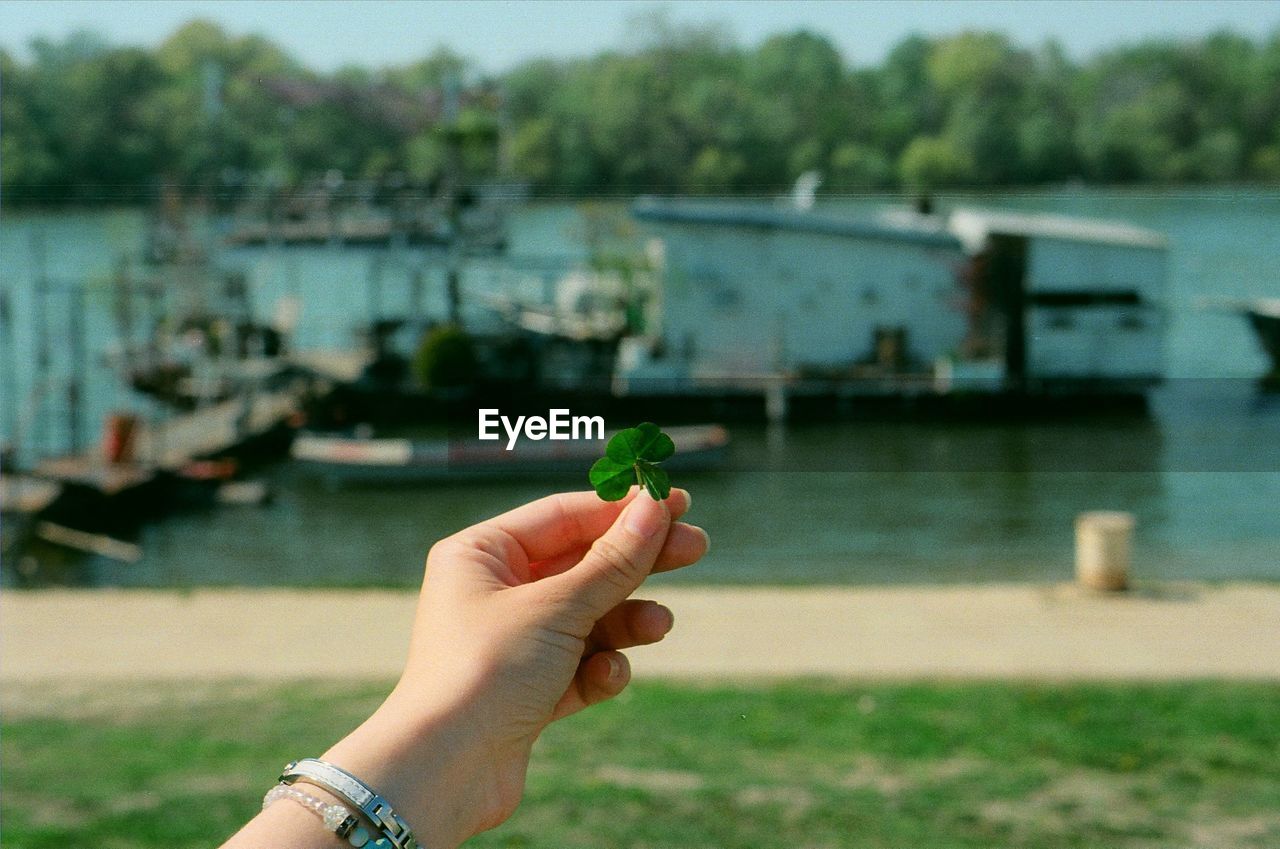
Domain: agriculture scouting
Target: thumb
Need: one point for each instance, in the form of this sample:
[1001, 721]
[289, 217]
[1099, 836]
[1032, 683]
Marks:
[618, 562]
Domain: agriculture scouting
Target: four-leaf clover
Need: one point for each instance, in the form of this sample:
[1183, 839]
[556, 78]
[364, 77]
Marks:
[632, 457]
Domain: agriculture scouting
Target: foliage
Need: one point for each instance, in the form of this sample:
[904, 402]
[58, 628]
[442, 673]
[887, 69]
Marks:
[682, 110]
[988, 765]
[446, 359]
[930, 162]
[632, 456]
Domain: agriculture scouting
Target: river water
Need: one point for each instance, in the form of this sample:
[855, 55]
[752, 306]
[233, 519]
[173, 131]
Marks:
[844, 503]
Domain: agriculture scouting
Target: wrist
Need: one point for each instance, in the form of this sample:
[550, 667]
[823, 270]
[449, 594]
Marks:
[423, 764]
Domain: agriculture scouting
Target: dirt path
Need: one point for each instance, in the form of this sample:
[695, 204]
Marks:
[1010, 631]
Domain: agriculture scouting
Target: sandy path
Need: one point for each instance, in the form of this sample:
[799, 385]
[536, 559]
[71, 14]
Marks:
[1018, 631]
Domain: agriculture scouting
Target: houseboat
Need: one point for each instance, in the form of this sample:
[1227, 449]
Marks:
[793, 302]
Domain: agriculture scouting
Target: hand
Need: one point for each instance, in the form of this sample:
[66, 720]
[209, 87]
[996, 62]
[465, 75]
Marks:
[520, 622]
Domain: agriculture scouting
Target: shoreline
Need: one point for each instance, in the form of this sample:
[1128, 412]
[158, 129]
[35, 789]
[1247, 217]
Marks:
[1156, 632]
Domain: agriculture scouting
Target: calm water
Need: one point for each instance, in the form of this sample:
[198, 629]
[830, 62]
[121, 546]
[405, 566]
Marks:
[832, 503]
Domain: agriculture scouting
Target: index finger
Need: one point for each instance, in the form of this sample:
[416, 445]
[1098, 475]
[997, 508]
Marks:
[568, 521]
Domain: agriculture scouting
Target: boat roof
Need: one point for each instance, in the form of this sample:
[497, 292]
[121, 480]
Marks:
[973, 226]
[967, 227]
[758, 216]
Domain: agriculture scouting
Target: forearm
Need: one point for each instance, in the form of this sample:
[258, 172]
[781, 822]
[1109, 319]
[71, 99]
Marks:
[416, 760]
[288, 825]
[521, 621]
[425, 763]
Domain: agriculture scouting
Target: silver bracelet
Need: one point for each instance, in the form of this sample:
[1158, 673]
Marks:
[336, 818]
[375, 808]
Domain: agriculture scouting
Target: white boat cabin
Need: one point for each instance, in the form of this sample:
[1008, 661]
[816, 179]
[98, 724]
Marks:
[974, 299]
[1080, 300]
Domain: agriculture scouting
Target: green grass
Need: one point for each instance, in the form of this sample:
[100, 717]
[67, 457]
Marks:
[813, 764]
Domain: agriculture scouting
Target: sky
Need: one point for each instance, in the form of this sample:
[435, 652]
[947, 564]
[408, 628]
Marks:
[497, 34]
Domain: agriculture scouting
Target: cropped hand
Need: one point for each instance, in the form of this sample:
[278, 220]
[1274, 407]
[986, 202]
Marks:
[520, 622]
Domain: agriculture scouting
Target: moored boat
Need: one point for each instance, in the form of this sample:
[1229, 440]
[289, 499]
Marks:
[388, 460]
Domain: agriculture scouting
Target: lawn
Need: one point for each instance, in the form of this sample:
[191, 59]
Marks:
[804, 764]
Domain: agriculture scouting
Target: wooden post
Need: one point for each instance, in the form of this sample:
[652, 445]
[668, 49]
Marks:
[1103, 542]
[9, 389]
[156, 308]
[79, 365]
[122, 289]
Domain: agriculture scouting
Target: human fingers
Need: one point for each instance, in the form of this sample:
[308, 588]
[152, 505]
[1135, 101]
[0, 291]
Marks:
[685, 545]
[600, 676]
[615, 565]
[635, 622]
[570, 521]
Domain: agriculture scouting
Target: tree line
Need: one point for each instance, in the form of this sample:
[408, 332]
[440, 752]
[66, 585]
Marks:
[680, 110]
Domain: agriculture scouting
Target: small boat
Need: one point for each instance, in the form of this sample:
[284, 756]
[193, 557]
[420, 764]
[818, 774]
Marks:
[384, 461]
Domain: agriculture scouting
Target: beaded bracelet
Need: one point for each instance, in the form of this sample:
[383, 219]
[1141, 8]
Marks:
[336, 818]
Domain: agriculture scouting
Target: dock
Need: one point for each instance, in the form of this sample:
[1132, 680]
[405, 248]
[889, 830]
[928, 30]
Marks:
[327, 230]
[172, 444]
[23, 495]
[339, 366]
[85, 492]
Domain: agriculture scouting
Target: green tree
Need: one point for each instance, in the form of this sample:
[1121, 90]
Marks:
[931, 162]
[1047, 121]
[714, 171]
[803, 76]
[981, 81]
[855, 167]
[680, 109]
[217, 108]
[29, 163]
[1218, 156]
[907, 104]
[1265, 164]
[85, 117]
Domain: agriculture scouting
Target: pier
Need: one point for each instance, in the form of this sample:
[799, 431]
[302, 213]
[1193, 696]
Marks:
[84, 498]
[173, 444]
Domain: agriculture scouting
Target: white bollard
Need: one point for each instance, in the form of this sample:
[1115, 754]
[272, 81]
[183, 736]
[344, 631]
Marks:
[1103, 543]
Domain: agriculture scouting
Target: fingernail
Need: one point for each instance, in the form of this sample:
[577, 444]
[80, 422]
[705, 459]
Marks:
[668, 619]
[706, 537]
[615, 667]
[645, 517]
[688, 499]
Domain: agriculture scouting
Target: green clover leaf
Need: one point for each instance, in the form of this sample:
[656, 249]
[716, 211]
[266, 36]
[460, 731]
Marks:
[611, 479]
[632, 456]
